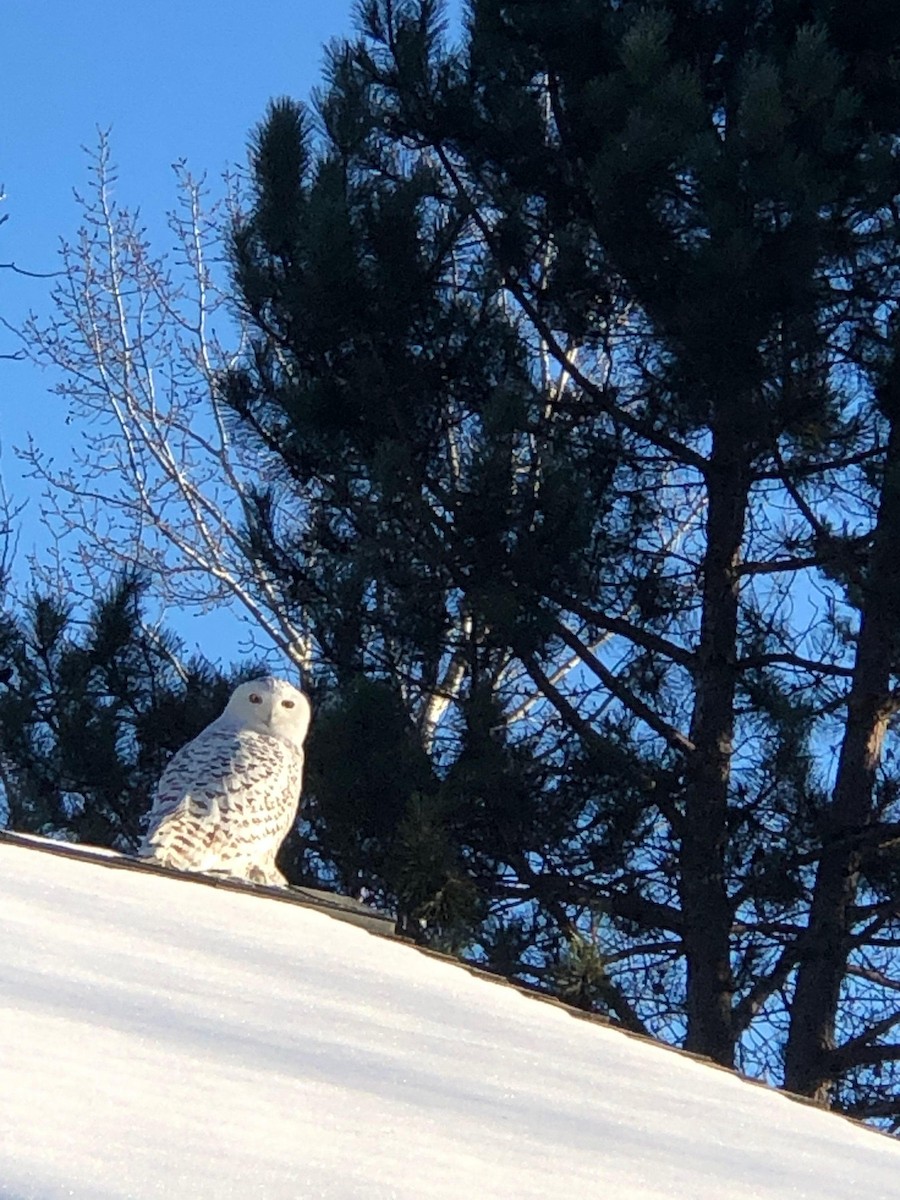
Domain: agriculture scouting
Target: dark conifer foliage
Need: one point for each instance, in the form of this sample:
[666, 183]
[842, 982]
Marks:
[90, 714]
[579, 341]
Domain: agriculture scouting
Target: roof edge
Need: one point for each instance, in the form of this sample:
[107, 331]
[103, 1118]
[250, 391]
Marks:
[354, 912]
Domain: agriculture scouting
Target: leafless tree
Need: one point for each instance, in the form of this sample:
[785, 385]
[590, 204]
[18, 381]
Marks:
[155, 483]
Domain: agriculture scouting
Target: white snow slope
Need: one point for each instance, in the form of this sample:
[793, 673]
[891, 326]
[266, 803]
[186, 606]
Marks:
[163, 1039]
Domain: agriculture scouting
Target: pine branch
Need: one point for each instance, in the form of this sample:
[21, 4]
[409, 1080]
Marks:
[763, 987]
[674, 737]
[865, 1056]
[644, 638]
[778, 565]
[814, 666]
[600, 395]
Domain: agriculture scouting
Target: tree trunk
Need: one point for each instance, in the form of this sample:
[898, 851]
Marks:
[809, 1055]
[704, 898]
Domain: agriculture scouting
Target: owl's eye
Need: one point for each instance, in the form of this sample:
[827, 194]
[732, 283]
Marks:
[287, 704]
[254, 699]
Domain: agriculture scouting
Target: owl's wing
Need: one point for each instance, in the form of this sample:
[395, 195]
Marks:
[224, 798]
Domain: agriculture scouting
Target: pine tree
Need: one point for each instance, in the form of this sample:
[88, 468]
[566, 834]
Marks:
[575, 340]
[89, 715]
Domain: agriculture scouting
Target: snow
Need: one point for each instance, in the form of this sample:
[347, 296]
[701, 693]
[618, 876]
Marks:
[160, 1039]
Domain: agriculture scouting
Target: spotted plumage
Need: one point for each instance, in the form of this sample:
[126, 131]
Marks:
[227, 799]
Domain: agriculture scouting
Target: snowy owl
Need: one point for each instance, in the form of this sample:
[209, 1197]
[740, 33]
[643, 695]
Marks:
[227, 799]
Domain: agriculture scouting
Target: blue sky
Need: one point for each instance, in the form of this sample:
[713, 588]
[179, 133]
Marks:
[172, 80]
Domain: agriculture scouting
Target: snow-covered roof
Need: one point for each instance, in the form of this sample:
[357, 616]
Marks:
[159, 1039]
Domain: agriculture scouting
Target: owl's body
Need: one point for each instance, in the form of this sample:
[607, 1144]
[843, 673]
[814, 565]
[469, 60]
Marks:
[227, 800]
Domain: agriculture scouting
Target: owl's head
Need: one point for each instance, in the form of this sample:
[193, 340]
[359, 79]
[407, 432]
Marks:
[271, 706]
